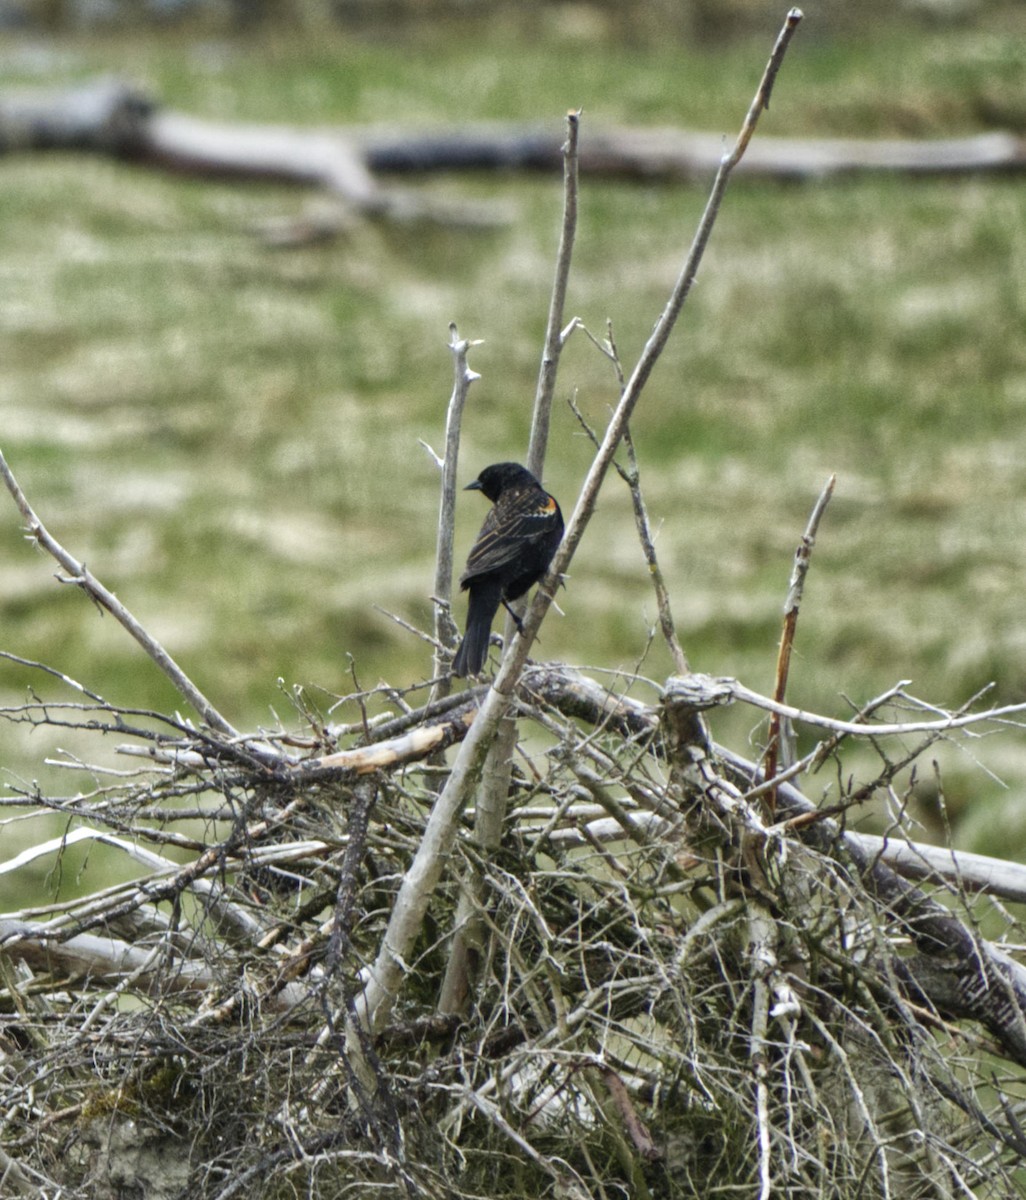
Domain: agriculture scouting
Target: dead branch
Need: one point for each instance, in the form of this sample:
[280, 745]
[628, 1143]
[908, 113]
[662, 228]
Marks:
[554, 336]
[955, 971]
[779, 744]
[493, 789]
[445, 629]
[100, 960]
[81, 577]
[114, 118]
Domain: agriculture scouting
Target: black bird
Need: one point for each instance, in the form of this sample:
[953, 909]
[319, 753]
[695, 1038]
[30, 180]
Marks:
[512, 551]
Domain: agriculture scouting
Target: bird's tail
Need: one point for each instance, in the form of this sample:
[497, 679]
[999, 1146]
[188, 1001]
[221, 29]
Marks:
[470, 657]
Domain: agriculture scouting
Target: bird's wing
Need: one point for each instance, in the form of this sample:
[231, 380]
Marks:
[508, 528]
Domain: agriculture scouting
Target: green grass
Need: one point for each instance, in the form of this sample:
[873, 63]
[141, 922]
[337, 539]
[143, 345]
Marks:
[228, 434]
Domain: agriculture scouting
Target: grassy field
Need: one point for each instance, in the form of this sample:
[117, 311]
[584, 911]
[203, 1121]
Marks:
[228, 435]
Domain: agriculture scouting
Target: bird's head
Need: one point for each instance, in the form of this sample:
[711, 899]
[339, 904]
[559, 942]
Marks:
[494, 480]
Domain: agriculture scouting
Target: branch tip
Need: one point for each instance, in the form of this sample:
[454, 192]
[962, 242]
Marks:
[776, 58]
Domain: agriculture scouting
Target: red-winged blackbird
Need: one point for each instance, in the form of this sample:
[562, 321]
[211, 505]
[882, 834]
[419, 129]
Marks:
[512, 551]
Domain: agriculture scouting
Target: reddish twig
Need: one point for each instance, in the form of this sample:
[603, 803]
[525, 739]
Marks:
[802, 559]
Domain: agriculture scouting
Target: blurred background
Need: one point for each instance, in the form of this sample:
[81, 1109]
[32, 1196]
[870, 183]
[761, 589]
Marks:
[227, 433]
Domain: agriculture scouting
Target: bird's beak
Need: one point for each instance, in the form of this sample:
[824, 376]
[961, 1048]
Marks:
[473, 487]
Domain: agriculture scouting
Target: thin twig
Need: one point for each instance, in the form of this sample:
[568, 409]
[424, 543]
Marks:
[884, 729]
[636, 1128]
[631, 475]
[81, 577]
[655, 572]
[769, 78]
[445, 630]
[562, 1175]
[491, 803]
[554, 338]
[796, 587]
[12, 1175]
[823, 749]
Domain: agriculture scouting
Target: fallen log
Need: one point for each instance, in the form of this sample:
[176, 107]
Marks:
[663, 153]
[111, 117]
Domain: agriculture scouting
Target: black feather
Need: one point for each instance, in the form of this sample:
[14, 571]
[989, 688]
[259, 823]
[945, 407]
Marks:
[513, 551]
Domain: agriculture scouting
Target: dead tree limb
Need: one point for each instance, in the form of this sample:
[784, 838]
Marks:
[111, 117]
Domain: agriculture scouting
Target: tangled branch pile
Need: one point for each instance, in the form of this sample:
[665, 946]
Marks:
[667, 995]
[543, 937]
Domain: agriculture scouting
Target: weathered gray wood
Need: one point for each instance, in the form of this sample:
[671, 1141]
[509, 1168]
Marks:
[110, 117]
[682, 154]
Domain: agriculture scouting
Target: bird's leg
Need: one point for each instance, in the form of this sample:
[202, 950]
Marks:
[516, 619]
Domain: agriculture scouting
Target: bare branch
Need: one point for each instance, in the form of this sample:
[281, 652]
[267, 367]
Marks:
[554, 338]
[655, 572]
[517, 653]
[631, 475]
[802, 559]
[493, 789]
[762, 961]
[769, 78]
[445, 630]
[84, 579]
[709, 691]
